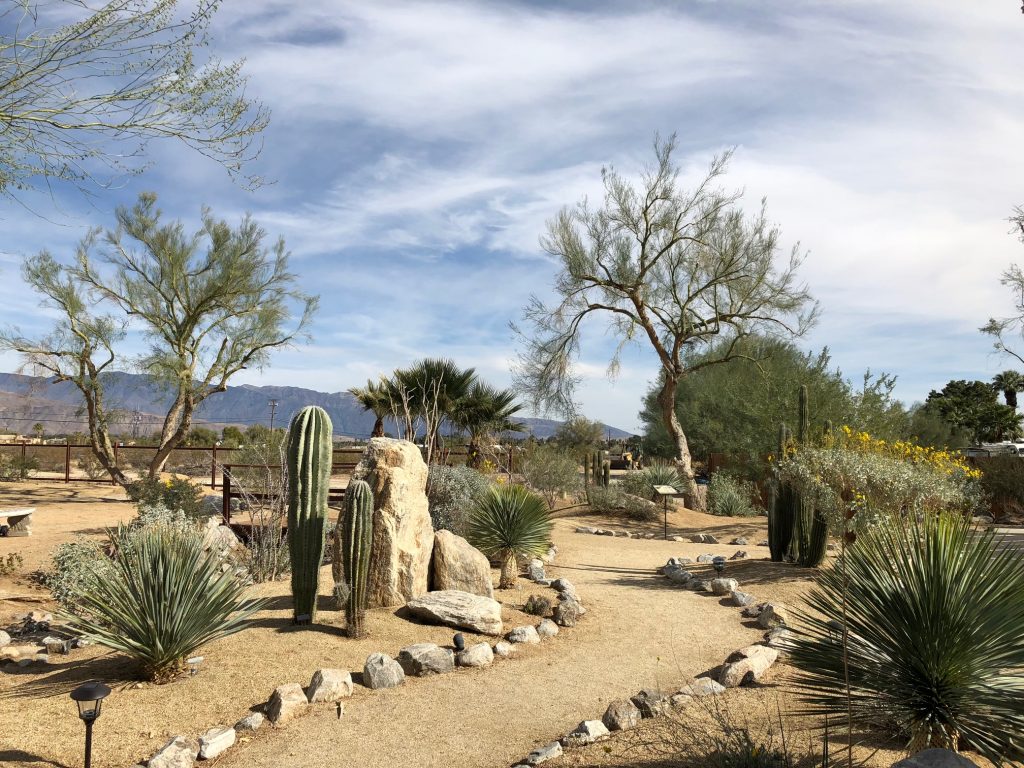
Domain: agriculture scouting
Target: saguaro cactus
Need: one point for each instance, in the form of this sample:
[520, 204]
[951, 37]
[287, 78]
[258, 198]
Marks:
[811, 527]
[781, 511]
[355, 525]
[309, 476]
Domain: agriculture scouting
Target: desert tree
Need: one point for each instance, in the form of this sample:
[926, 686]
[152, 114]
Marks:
[1009, 383]
[85, 86]
[485, 410]
[676, 269]
[375, 397]
[209, 303]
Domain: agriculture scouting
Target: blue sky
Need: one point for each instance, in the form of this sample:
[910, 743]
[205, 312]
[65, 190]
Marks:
[418, 148]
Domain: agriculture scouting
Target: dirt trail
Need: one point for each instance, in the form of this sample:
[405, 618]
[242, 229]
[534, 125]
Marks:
[639, 632]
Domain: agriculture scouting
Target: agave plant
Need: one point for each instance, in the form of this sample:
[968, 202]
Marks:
[934, 616]
[510, 521]
[641, 482]
[163, 598]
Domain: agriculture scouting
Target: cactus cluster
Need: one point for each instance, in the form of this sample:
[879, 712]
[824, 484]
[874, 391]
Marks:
[597, 469]
[355, 533]
[309, 473]
[795, 528]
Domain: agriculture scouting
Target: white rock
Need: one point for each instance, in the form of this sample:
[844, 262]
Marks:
[423, 659]
[381, 671]
[458, 565]
[250, 722]
[179, 752]
[702, 686]
[504, 649]
[459, 609]
[747, 665]
[479, 655]
[285, 703]
[621, 715]
[5, 639]
[547, 628]
[524, 634]
[773, 615]
[543, 754]
[585, 733]
[329, 685]
[216, 741]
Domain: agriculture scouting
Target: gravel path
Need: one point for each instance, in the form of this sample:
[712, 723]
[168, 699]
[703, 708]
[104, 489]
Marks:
[638, 632]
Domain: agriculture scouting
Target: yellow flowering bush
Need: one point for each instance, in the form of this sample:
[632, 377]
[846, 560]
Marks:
[856, 480]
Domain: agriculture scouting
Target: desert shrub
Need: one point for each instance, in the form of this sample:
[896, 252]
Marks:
[174, 494]
[614, 501]
[11, 564]
[508, 522]
[551, 471]
[731, 497]
[537, 605]
[17, 467]
[641, 482]
[163, 598]
[75, 568]
[451, 493]
[91, 466]
[1002, 478]
[934, 613]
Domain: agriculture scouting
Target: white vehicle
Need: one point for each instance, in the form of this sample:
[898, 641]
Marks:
[1005, 448]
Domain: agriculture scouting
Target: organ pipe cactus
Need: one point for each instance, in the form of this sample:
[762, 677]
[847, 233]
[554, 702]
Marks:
[309, 473]
[355, 528]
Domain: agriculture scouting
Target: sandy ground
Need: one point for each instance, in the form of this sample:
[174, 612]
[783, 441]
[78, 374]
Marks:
[639, 632]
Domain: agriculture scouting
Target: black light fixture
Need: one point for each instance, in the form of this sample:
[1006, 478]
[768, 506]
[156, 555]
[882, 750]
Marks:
[459, 642]
[719, 563]
[89, 698]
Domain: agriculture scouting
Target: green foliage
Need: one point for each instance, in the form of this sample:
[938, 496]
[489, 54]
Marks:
[201, 436]
[176, 494]
[731, 496]
[356, 531]
[162, 598]
[1009, 383]
[616, 502]
[75, 568]
[641, 482]
[934, 613]
[16, 467]
[308, 460]
[11, 563]
[551, 471]
[579, 435]
[736, 409]
[451, 493]
[510, 521]
[1002, 480]
[537, 605]
[973, 406]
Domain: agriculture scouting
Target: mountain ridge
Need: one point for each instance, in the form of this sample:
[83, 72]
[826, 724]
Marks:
[26, 400]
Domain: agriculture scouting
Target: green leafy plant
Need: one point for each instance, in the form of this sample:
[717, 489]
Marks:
[159, 599]
[641, 482]
[614, 501]
[175, 494]
[17, 467]
[76, 567]
[551, 471]
[508, 522]
[451, 493]
[934, 615]
[731, 497]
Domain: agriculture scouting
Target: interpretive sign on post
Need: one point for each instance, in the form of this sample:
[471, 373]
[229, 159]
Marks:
[666, 491]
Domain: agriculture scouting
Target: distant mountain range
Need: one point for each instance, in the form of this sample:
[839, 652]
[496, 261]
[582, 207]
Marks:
[140, 404]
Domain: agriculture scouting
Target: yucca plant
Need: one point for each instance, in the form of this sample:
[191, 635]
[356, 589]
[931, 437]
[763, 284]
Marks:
[934, 620]
[510, 521]
[164, 597]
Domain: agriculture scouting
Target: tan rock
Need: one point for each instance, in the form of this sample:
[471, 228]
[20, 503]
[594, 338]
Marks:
[286, 702]
[747, 665]
[459, 609]
[403, 536]
[458, 565]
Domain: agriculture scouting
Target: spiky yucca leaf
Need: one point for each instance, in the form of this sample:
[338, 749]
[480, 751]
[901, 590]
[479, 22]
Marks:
[510, 521]
[163, 598]
[935, 616]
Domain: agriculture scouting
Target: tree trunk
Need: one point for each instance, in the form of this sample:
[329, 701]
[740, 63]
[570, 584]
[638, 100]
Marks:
[378, 427]
[509, 572]
[176, 426]
[1011, 398]
[99, 435]
[667, 401]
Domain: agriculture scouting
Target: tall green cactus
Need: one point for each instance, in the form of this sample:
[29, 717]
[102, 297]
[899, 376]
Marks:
[781, 512]
[811, 527]
[309, 476]
[586, 470]
[606, 473]
[356, 530]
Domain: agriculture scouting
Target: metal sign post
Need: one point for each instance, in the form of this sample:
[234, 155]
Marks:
[665, 491]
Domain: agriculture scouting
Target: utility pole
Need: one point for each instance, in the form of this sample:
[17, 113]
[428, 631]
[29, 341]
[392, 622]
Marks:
[273, 409]
[136, 422]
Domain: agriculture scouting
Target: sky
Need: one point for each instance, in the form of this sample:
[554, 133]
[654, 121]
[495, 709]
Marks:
[417, 149]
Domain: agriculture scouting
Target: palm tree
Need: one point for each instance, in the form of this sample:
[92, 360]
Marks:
[485, 409]
[430, 391]
[374, 397]
[1009, 383]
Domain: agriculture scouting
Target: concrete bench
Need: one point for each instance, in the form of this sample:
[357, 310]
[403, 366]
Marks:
[18, 521]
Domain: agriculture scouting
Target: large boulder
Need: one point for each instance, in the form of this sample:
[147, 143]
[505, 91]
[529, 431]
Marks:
[459, 565]
[403, 536]
[424, 659]
[459, 609]
[747, 665]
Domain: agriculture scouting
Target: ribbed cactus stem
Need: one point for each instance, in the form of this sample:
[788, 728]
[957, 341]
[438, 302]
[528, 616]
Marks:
[782, 509]
[586, 471]
[804, 428]
[356, 525]
[606, 473]
[309, 475]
